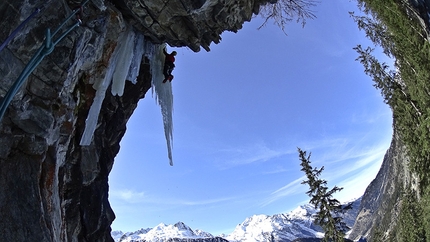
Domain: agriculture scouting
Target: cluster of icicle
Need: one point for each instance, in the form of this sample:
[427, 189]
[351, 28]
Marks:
[124, 65]
[164, 96]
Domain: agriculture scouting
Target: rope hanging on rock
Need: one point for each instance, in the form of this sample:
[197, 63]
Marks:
[46, 48]
[15, 32]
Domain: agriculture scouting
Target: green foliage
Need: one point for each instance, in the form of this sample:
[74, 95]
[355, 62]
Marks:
[330, 210]
[384, 78]
[414, 225]
[396, 27]
[411, 227]
[285, 11]
[378, 235]
[425, 207]
[393, 26]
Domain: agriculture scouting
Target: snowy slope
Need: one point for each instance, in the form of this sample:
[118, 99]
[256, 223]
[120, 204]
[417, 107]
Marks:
[163, 232]
[279, 227]
[284, 227]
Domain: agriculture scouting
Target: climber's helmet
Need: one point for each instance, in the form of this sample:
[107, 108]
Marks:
[174, 53]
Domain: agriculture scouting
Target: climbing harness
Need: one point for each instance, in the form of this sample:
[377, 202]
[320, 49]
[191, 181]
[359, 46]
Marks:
[44, 50]
[15, 32]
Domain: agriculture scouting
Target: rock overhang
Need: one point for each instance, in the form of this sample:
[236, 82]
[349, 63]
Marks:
[188, 23]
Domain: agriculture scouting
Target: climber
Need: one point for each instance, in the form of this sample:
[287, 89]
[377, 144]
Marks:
[168, 65]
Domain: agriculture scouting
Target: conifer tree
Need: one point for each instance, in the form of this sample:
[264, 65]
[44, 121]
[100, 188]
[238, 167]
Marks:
[285, 11]
[384, 78]
[330, 209]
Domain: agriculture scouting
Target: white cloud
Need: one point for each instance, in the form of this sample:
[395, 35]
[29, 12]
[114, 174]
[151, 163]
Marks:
[353, 168]
[127, 195]
[291, 188]
[133, 197]
[258, 152]
[276, 171]
[355, 186]
[354, 160]
[204, 202]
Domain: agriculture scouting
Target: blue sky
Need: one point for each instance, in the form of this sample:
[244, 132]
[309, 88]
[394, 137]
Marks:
[240, 112]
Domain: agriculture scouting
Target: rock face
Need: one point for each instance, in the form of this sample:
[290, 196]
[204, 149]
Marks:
[51, 188]
[381, 201]
[191, 23]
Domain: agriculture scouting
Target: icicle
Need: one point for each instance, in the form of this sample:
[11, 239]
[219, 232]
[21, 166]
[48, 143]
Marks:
[163, 94]
[125, 56]
[100, 86]
[138, 51]
[123, 65]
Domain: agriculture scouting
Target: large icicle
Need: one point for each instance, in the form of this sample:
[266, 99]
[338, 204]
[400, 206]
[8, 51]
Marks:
[123, 65]
[125, 56]
[164, 96]
[101, 86]
[138, 50]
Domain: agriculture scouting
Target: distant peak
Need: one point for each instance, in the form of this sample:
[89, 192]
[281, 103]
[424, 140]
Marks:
[181, 226]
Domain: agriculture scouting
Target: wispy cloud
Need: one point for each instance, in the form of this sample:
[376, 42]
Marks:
[127, 195]
[355, 185]
[276, 171]
[258, 152]
[291, 188]
[357, 161]
[133, 197]
[364, 117]
[203, 202]
[352, 168]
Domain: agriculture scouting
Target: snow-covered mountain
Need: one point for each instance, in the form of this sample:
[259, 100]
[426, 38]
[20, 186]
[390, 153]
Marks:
[279, 227]
[166, 233]
[283, 227]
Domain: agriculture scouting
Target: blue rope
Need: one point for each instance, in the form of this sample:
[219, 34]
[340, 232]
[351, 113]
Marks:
[44, 50]
[12, 35]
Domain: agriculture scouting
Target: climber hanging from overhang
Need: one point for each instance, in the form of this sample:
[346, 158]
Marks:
[169, 65]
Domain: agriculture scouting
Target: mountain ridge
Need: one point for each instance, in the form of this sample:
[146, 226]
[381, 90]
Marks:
[285, 227]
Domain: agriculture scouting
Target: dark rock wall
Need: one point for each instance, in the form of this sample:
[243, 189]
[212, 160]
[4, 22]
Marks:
[191, 23]
[381, 201]
[51, 188]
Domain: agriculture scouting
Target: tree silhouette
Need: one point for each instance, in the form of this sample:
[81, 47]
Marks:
[284, 11]
[329, 216]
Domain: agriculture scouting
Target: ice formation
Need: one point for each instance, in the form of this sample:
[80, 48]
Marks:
[125, 56]
[124, 65]
[93, 114]
[125, 62]
[138, 51]
[164, 96]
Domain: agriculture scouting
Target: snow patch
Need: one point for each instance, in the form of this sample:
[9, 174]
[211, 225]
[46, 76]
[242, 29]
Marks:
[163, 232]
[257, 228]
[286, 226]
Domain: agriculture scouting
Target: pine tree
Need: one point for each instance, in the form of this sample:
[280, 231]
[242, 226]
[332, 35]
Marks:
[330, 209]
[398, 28]
[383, 78]
[285, 11]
